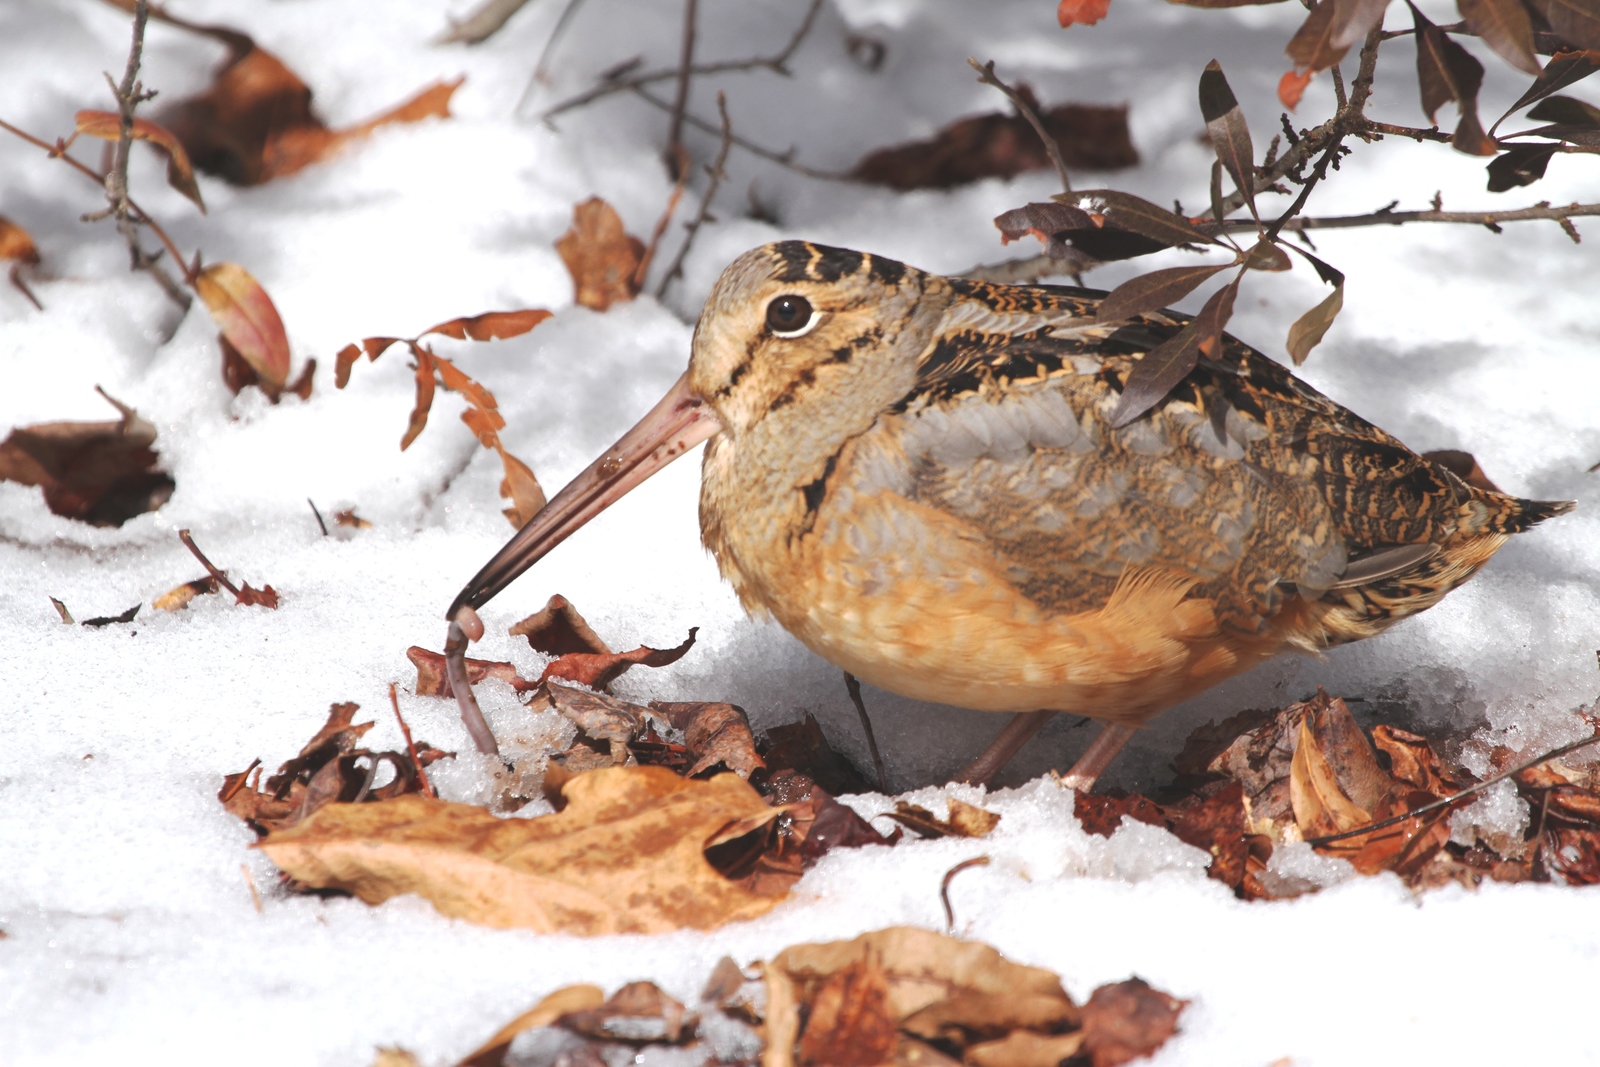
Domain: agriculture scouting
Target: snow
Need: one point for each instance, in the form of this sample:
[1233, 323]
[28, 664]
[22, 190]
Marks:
[130, 930]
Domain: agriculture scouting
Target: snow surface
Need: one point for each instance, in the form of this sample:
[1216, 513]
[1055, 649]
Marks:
[130, 932]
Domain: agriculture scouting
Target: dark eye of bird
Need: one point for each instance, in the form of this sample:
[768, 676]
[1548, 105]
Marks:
[788, 313]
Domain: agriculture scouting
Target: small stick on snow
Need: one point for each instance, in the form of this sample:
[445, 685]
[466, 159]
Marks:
[944, 888]
[411, 747]
[318, 514]
[211, 568]
[255, 896]
[854, 688]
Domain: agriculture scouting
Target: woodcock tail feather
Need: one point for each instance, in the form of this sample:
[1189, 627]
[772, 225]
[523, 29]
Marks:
[917, 477]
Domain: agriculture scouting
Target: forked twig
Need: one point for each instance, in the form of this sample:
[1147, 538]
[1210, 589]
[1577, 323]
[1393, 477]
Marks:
[987, 76]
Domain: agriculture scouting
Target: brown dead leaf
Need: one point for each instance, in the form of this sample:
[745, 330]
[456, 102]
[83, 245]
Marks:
[1091, 137]
[1127, 1021]
[248, 320]
[849, 1023]
[490, 326]
[348, 517]
[557, 629]
[962, 820]
[101, 473]
[256, 123]
[637, 1014]
[107, 125]
[803, 747]
[717, 735]
[628, 855]
[15, 244]
[599, 669]
[433, 682]
[1081, 12]
[572, 998]
[178, 599]
[600, 255]
[1023, 1048]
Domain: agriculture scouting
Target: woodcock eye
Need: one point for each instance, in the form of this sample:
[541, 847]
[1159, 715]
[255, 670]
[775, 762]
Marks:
[791, 316]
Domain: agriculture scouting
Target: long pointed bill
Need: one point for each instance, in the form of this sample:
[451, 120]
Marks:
[674, 426]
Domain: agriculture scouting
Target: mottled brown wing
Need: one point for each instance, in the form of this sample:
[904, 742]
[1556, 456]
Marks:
[1244, 478]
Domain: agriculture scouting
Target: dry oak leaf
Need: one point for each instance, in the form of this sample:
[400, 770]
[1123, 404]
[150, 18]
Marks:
[962, 820]
[600, 255]
[960, 992]
[255, 122]
[626, 856]
[101, 473]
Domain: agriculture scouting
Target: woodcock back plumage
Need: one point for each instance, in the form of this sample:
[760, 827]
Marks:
[917, 476]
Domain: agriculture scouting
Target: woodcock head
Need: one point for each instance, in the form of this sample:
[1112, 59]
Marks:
[920, 477]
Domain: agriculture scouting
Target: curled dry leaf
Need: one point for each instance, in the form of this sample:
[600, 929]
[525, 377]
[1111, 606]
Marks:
[349, 518]
[1309, 329]
[628, 855]
[248, 320]
[1312, 47]
[996, 145]
[107, 125]
[598, 670]
[557, 629]
[432, 681]
[177, 599]
[717, 735]
[101, 473]
[490, 325]
[1292, 87]
[637, 1014]
[107, 620]
[1081, 12]
[962, 820]
[600, 255]
[15, 244]
[572, 998]
[255, 122]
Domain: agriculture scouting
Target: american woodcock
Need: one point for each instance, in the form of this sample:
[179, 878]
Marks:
[918, 478]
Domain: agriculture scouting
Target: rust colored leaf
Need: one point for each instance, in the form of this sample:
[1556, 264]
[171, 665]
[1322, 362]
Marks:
[803, 747]
[1218, 4]
[520, 487]
[1230, 135]
[1564, 69]
[491, 325]
[107, 125]
[349, 518]
[998, 145]
[1102, 813]
[1575, 21]
[717, 735]
[265, 597]
[600, 255]
[1153, 291]
[1504, 26]
[557, 629]
[372, 346]
[15, 244]
[101, 473]
[572, 998]
[627, 855]
[179, 598]
[637, 1014]
[1128, 1020]
[433, 682]
[1081, 12]
[1312, 47]
[1024, 1048]
[247, 318]
[597, 670]
[1154, 375]
[1292, 86]
[1309, 329]
[849, 1025]
[1216, 823]
[424, 403]
[255, 122]
[962, 820]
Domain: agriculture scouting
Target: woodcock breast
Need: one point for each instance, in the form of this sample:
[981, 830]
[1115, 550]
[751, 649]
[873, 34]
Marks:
[917, 477]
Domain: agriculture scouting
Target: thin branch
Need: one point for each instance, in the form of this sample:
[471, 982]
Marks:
[411, 746]
[777, 63]
[1031, 268]
[318, 514]
[1413, 132]
[680, 103]
[717, 175]
[643, 269]
[783, 159]
[944, 888]
[987, 76]
[211, 568]
[1492, 219]
[541, 69]
[1455, 798]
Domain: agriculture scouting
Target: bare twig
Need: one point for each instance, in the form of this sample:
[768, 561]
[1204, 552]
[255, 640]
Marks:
[1031, 268]
[783, 159]
[541, 69]
[680, 103]
[1455, 798]
[944, 888]
[777, 63]
[987, 76]
[411, 746]
[643, 269]
[853, 687]
[717, 175]
[211, 568]
[1492, 219]
[318, 514]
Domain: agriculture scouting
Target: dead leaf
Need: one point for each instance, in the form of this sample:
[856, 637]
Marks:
[255, 122]
[963, 820]
[803, 747]
[572, 998]
[600, 255]
[1292, 86]
[107, 620]
[101, 473]
[15, 243]
[491, 325]
[433, 682]
[248, 320]
[626, 856]
[637, 1014]
[597, 670]
[348, 517]
[1127, 1021]
[179, 598]
[717, 735]
[557, 629]
[849, 1023]
[107, 125]
[1081, 12]
[996, 145]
